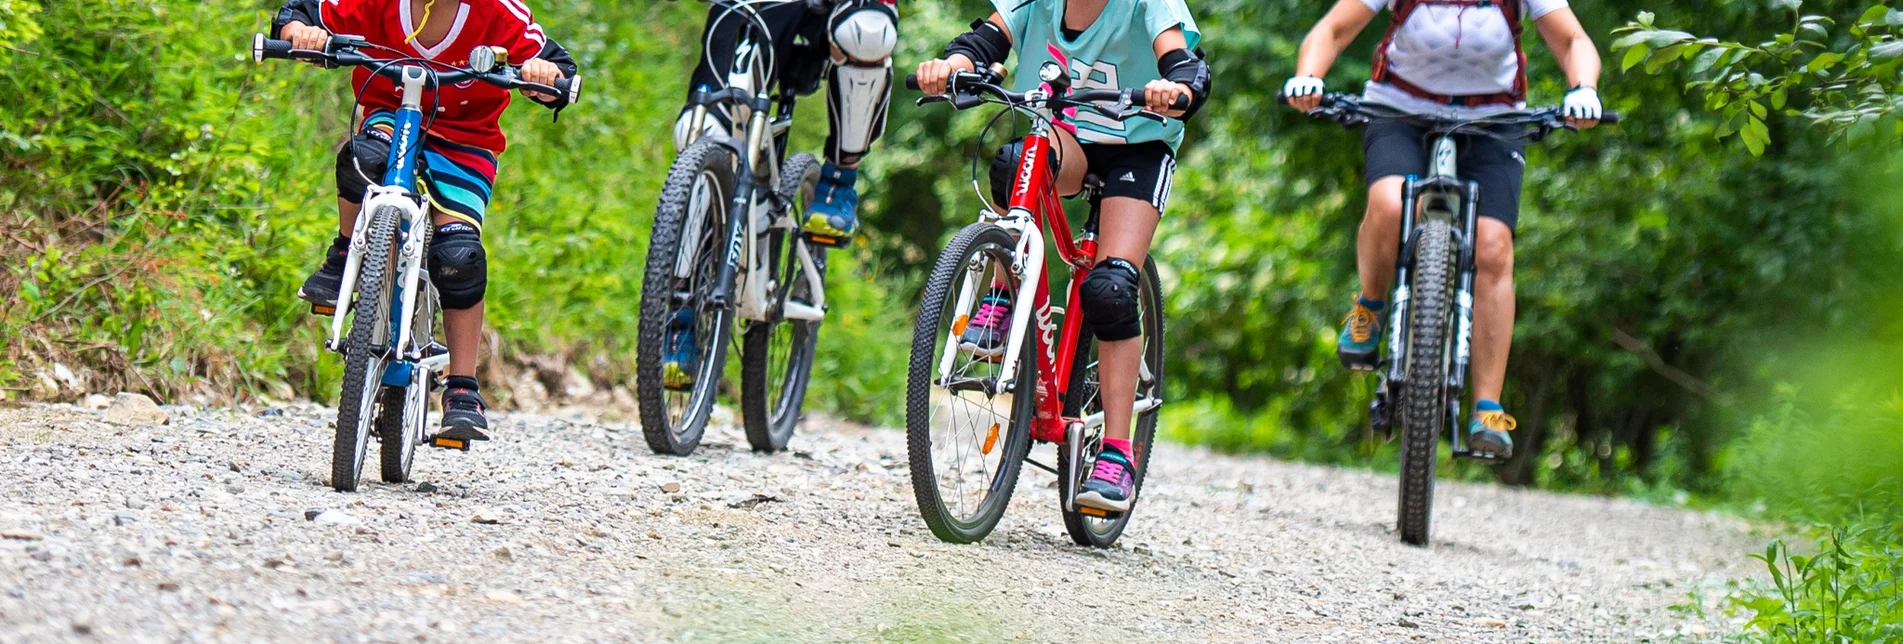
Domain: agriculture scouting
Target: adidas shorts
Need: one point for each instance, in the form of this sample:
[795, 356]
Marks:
[1138, 170]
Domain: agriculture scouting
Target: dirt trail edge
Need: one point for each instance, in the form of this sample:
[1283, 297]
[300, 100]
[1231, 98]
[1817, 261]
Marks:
[220, 526]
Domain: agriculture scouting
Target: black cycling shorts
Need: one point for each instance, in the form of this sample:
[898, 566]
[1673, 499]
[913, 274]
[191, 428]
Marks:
[1137, 170]
[1397, 148]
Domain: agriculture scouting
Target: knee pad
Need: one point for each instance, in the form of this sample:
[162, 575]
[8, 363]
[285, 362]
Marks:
[866, 32]
[716, 125]
[1004, 171]
[1109, 300]
[458, 266]
[361, 162]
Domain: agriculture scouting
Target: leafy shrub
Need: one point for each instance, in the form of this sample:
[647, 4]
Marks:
[1851, 590]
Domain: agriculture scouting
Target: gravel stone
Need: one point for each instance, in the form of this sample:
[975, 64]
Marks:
[751, 547]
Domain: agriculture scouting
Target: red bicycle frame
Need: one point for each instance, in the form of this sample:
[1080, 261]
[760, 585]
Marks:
[1034, 200]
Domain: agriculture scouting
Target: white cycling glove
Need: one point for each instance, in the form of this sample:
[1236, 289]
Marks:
[1302, 86]
[1583, 104]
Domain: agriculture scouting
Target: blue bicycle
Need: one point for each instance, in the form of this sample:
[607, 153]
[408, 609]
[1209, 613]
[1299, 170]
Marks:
[391, 359]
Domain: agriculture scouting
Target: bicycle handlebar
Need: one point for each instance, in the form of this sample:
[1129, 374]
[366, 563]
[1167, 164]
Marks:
[969, 89]
[1349, 111]
[341, 51]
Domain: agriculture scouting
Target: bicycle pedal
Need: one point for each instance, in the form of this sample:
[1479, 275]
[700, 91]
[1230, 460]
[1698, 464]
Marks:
[827, 240]
[326, 311]
[449, 443]
[1107, 515]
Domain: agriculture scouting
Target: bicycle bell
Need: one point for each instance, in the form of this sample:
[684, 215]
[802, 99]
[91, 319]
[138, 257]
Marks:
[487, 59]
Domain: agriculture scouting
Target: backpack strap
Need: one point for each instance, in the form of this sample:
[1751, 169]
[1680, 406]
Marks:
[1404, 9]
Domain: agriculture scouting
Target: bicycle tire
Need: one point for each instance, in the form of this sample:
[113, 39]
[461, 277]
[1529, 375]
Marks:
[363, 364]
[1086, 530]
[927, 337]
[1426, 374]
[397, 452]
[770, 426]
[712, 162]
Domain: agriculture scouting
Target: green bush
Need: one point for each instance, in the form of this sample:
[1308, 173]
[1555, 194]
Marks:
[1850, 590]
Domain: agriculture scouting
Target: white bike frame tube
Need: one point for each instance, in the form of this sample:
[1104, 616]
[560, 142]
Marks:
[967, 292]
[353, 263]
[753, 285]
[1028, 265]
[412, 263]
[1446, 160]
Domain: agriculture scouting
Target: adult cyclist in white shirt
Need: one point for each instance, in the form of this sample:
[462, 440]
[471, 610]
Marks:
[1453, 58]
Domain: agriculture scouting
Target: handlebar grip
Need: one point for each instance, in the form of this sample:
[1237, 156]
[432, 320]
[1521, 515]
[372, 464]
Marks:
[262, 48]
[911, 82]
[569, 89]
[1181, 102]
[1610, 117]
[1281, 96]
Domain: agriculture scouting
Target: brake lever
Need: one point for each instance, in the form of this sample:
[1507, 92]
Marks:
[933, 98]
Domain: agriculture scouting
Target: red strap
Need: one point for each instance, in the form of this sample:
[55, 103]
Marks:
[1403, 9]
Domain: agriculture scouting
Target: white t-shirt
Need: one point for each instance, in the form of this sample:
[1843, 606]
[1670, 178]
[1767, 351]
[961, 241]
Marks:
[1455, 50]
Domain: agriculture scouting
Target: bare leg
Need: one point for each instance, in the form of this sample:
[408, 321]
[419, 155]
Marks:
[1125, 228]
[347, 216]
[1493, 307]
[1379, 243]
[462, 329]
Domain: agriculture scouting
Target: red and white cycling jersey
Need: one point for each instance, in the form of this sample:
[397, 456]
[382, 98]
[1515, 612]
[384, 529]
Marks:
[468, 113]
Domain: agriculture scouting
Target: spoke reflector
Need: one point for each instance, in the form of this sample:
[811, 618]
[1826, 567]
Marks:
[991, 440]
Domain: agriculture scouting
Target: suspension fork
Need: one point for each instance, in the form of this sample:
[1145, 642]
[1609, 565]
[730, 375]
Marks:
[1463, 313]
[1398, 309]
[740, 212]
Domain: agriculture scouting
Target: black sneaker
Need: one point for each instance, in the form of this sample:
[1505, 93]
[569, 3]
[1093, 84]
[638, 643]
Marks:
[321, 287]
[462, 415]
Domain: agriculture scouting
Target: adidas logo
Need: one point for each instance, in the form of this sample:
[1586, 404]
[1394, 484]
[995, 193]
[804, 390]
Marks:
[1128, 176]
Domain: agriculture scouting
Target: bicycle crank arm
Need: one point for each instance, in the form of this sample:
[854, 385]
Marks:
[1073, 463]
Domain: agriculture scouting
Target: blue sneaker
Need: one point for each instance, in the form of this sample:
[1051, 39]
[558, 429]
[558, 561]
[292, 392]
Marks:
[1112, 483]
[832, 219]
[677, 364]
[1359, 346]
[1487, 434]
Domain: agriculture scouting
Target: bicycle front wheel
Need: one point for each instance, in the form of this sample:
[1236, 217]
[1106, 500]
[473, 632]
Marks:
[966, 431]
[364, 359]
[1425, 391]
[776, 357]
[1088, 528]
[680, 328]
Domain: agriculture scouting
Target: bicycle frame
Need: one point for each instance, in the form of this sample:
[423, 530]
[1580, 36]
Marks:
[1033, 207]
[397, 190]
[755, 203]
[1438, 196]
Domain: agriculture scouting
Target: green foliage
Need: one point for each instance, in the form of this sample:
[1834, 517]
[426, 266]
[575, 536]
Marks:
[1846, 82]
[1849, 590]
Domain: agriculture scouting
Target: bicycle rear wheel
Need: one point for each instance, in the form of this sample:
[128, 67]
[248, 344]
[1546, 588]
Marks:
[1084, 401]
[364, 349]
[776, 357]
[966, 434]
[684, 255]
[1425, 391]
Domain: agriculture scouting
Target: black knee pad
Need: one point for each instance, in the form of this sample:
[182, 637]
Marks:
[361, 162]
[1004, 171]
[1110, 300]
[458, 266]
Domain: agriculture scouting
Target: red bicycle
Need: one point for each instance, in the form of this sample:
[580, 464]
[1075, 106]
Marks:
[972, 412]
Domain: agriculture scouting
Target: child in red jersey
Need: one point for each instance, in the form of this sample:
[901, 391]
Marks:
[458, 156]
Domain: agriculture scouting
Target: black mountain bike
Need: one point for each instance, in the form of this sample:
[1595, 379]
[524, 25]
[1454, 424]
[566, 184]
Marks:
[726, 249]
[1430, 325]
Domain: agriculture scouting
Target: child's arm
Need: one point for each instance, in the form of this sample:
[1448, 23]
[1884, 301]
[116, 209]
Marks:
[294, 22]
[1184, 74]
[988, 42]
[543, 59]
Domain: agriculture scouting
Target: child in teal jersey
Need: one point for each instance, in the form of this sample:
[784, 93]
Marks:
[1106, 44]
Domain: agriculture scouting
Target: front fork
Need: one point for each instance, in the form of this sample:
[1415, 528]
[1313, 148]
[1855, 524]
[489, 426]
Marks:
[1381, 412]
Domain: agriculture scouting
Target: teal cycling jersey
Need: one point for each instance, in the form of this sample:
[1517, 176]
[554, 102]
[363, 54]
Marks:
[1115, 52]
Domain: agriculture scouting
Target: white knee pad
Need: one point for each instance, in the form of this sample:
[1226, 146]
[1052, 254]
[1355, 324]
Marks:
[684, 124]
[865, 34]
[858, 101]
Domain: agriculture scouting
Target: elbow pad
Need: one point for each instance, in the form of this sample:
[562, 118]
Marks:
[304, 11]
[1189, 69]
[984, 44]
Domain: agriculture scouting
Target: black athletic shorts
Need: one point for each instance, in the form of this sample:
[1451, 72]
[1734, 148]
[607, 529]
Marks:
[1137, 170]
[1396, 148]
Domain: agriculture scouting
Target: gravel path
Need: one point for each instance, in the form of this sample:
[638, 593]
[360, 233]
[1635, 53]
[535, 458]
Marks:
[567, 529]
